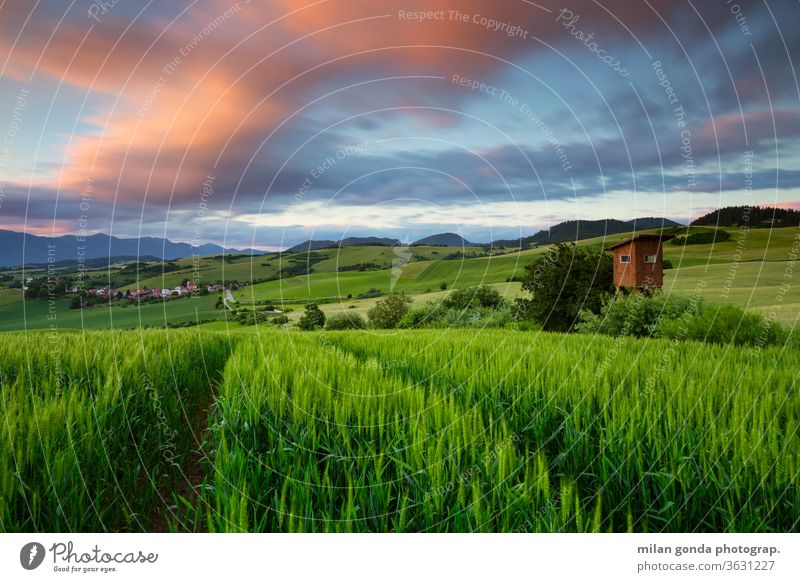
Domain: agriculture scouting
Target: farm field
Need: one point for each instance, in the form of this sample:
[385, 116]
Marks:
[98, 426]
[416, 277]
[754, 246]
[759, 287]
[36, 314]
[429, 430]
[748, 270]
[258, 267]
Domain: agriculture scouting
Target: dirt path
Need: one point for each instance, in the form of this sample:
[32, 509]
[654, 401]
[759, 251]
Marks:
[193, 470]
[228, 298]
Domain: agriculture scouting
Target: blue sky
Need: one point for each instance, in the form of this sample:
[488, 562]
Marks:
[327, 119]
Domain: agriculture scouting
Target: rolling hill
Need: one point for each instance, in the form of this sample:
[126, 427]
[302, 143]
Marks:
[316, 245]
[447, 239]
[747, 270]
[575, 230]
[753, 216]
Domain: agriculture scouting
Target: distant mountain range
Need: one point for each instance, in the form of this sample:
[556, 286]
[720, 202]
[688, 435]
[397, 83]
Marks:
[37, 249]
[19, 247]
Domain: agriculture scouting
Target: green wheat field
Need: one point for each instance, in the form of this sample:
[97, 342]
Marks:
[422, 430]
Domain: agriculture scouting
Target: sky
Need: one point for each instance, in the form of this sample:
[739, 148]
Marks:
[264, 123]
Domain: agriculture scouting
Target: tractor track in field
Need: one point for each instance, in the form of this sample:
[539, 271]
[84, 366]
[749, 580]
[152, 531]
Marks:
[193, 472]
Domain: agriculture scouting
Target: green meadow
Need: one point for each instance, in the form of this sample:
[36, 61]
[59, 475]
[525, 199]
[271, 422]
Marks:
[38, 314]
[750, 270]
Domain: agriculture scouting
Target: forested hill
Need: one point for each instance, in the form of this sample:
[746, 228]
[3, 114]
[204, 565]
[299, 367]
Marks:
[754, 216]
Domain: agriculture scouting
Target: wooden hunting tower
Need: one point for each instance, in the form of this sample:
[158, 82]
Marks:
[639, 261]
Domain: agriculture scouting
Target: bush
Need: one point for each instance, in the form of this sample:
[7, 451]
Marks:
[726, 324]
[476, 317]
[373, 292]
[702, 238]
[635, 315]
[682, 318]
[345, 320]
[312, 319]
[565, 281]
[245, 317]
[388, 312]
[421, 316]
[470, 297]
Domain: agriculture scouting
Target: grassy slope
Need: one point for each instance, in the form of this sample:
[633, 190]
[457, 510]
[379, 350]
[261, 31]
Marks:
[754, 284]
[417, 277]
[259, 267]
[35, 314]
[8, 296]
[362, 306]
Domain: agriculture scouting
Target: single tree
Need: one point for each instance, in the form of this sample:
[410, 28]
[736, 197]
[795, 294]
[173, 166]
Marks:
[312, 319]
[388, 312]
[565, 281]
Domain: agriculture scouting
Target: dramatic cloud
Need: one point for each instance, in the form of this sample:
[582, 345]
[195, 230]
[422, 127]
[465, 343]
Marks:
[303, 113]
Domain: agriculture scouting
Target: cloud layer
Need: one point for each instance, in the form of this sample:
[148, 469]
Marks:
[271, 119]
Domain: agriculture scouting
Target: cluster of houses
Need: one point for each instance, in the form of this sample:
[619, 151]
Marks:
[145, 293]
